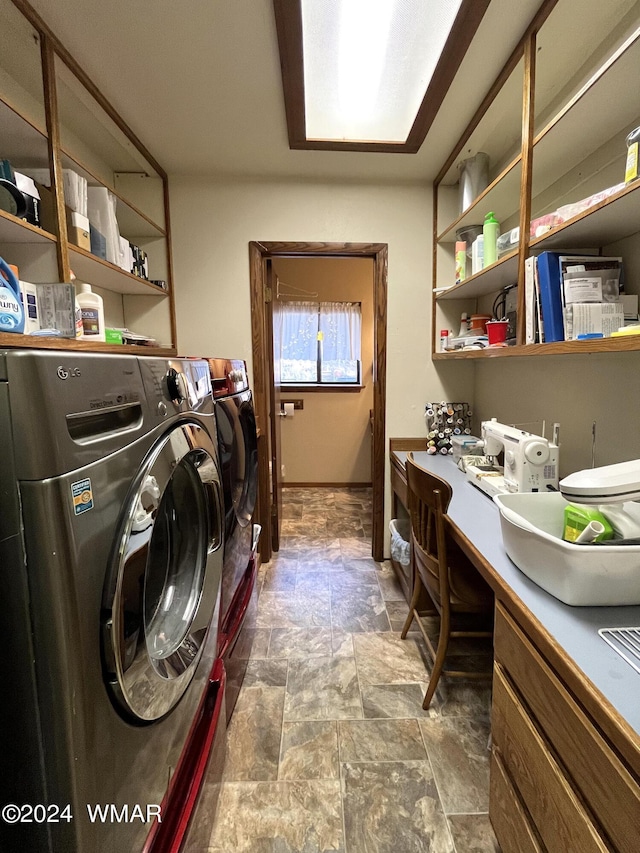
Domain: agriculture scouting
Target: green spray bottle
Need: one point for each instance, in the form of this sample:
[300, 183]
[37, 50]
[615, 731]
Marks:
[490, 233]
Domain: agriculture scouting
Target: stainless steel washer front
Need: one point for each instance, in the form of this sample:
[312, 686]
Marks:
[159, 598]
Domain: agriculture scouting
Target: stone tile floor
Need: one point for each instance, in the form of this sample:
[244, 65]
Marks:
[329, 748]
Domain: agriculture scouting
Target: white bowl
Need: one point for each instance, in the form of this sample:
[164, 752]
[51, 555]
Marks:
[582, 575]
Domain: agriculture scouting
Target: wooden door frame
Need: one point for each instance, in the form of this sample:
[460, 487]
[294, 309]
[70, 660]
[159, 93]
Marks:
[378, 252]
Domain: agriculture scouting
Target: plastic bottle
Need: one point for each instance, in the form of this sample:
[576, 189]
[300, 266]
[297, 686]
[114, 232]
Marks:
[461, 261]
[490, 232]
[477, 254]
[79, 325]
[464, 326]
[633, 161]
[11, 310]
[444, 340]
[92, 314]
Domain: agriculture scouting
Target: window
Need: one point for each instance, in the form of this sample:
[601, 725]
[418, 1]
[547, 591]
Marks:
[319, 342]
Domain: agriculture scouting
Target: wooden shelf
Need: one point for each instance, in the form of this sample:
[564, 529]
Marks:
[575, 154]
[23, 144]
[593, 117]
[613, 219]
[49, 93]
[95, 271]
[502, 196]
[64, 344]
[13, 230]
[626, 343]
[499, 132]
[132, 222]
[489, 280]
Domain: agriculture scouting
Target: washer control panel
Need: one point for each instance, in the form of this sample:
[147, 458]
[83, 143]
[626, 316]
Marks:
[176, 385]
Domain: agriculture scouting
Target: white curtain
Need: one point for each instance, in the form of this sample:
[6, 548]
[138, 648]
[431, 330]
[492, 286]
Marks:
[340, 324]
[298, 330]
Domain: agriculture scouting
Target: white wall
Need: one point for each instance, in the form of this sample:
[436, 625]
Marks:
[212, 223]
[574, 391]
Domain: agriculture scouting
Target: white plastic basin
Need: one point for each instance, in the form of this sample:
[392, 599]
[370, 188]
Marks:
[583, 575]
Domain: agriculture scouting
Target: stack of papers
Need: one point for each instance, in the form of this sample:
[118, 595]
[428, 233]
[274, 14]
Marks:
[75, 188]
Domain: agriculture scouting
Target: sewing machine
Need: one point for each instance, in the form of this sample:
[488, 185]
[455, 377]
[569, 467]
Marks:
[530, 461]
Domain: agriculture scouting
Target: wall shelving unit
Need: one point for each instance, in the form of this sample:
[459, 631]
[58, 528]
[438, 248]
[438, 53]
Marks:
[561, 139]
[52, 118]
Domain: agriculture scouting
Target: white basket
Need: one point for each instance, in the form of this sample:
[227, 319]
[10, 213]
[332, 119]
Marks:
[400, 547]
[584, 575]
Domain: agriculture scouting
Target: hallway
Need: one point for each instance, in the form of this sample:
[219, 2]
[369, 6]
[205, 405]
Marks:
[329, 748]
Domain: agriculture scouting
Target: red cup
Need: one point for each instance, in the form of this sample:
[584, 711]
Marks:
[497, 332]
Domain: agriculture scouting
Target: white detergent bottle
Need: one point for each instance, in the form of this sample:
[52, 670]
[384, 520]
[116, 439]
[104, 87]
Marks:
[624, 518]
[92, 309]
[78, 314]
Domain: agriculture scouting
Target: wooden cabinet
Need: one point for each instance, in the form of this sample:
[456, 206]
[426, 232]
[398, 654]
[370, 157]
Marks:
[400, 510]
[554, 127]
[52, 119]
[557, 781]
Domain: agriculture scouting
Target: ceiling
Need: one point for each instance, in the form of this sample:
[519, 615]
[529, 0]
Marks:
[199, 83]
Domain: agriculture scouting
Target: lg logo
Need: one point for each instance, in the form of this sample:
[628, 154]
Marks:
[65, 373]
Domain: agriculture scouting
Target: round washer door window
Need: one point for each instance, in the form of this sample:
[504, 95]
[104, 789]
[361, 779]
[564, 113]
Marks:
[162, 594]
[236, 425]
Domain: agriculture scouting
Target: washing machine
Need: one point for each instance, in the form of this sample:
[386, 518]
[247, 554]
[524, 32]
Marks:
[111, 531]
[238, 452]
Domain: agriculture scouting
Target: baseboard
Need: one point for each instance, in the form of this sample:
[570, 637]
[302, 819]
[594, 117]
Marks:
[326, 485]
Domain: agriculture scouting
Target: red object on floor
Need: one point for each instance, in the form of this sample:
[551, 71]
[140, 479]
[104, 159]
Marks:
[190, 793]
[236, 642]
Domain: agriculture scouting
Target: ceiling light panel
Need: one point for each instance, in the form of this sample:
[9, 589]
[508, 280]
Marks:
[368, 63]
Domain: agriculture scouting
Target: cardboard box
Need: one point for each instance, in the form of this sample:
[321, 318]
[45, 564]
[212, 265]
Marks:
[113, 336]
[78, 229]
[630, 307]
[29, 299]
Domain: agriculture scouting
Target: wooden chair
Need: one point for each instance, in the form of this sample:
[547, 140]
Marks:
[453, 584]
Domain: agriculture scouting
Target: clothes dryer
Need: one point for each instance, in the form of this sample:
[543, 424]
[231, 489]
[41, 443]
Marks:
[238, 450]
[111, 532]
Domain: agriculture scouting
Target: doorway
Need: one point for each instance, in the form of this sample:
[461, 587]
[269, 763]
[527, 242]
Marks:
[267, 416]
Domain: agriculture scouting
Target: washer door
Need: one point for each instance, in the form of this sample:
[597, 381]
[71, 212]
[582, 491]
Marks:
[238, 442]
[161, 595]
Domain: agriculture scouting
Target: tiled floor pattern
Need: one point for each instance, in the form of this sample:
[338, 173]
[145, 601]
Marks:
[329, 748]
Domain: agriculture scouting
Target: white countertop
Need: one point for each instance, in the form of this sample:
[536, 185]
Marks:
[573, 628]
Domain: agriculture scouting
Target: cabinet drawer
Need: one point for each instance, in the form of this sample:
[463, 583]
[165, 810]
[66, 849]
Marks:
[604, 782]
[508, 815]
[555, 808]
[399, 485]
